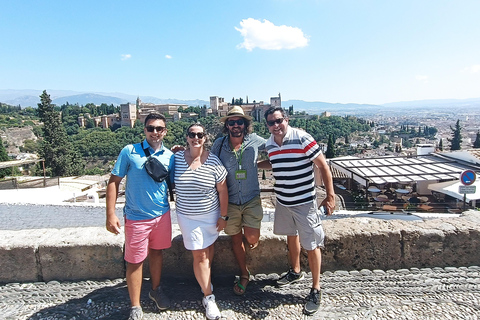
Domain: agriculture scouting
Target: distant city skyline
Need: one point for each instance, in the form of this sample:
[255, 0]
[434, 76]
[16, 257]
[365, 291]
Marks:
[366, 52]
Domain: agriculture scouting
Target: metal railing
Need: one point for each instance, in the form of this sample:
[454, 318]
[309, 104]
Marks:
[14, 183]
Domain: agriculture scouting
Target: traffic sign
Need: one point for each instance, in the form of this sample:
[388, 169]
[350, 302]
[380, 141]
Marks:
[467, 189]
[468, 177]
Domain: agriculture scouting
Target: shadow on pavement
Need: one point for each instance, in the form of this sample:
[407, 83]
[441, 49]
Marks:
[112, 301]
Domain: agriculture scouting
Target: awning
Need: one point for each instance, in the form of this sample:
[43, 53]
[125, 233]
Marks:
[451, 188]
[383, 170]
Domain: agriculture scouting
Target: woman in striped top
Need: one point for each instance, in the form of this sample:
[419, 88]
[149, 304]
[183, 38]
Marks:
[202, 202]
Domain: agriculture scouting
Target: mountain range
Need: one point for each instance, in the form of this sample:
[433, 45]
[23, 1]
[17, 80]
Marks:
[25, 98]
[30, 98]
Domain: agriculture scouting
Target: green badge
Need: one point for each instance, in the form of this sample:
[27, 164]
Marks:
[241, 174]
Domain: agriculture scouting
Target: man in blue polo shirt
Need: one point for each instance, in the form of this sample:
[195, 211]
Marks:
[148, 228]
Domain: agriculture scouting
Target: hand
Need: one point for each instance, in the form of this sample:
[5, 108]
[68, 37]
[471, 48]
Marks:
[329, 204]
[113, 225]
[221, 224]
[177, 148]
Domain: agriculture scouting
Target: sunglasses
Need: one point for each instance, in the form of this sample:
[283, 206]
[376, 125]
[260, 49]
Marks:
[277, 121]
[240, 122]
[199, 135]
[152, 128]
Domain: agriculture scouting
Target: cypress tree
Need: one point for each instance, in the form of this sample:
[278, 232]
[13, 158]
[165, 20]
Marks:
[456, 141]
[330, 153]
[476, 144]
[61, 159]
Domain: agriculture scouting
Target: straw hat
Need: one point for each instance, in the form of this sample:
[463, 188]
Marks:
[236, 111]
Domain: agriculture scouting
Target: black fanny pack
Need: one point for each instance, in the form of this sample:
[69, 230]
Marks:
[157, 171]
[155, 168]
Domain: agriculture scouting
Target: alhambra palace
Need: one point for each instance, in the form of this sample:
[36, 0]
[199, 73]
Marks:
[129, 112]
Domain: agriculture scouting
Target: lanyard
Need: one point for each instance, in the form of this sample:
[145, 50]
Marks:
[239, 155]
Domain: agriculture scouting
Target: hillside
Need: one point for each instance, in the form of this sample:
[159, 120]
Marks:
[27, 98]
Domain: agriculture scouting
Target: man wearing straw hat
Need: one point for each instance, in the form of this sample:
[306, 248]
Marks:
[238, 150]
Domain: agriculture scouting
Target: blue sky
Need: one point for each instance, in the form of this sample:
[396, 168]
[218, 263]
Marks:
[372, 51]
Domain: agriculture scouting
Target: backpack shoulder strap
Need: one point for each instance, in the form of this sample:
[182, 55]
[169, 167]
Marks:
[221, 146]
[147, 152]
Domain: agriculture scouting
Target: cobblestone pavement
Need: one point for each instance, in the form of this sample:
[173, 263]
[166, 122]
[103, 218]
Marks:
[437, 293]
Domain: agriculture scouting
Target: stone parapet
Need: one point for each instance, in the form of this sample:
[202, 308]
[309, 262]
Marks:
[351, 244]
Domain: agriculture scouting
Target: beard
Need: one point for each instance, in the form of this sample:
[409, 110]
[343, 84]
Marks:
[235, 132]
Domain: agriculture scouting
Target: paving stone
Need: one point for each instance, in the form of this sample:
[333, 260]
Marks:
[345, 295]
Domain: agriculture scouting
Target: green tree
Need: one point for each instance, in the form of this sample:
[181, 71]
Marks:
[29, 146]
[440, 145]
[456, 141]
[330, 153]
[61, 159]
[3, 157]
[476, 144]
[406, 143]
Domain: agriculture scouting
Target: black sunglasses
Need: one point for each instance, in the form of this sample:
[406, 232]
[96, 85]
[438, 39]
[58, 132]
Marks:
[240, 122]
[152, 128]
[199, 135]
[277, 121]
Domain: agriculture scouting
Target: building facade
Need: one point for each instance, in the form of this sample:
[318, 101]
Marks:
[254, 109]
[129, 112]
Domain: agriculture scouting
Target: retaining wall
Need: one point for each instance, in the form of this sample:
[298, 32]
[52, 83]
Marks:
[351, 244]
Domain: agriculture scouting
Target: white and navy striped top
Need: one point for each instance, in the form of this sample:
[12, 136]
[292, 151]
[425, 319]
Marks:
[196, 189]
[292, 167]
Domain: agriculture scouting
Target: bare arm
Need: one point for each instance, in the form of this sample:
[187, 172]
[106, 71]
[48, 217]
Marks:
[223, 199]
[329, 201]
[112, 223]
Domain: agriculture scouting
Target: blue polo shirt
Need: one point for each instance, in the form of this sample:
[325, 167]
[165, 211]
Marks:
[145, 198]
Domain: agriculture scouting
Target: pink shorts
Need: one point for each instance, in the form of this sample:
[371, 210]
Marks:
[142, 235]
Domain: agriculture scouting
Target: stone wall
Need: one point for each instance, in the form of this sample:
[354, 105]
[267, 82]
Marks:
[351, 244]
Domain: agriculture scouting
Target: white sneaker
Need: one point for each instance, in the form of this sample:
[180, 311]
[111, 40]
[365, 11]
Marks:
[211, 309]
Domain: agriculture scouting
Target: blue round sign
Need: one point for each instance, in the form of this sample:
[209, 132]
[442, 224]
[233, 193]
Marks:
[468, 177]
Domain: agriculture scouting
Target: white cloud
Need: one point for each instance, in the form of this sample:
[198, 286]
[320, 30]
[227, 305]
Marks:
[167, 56]
[126, 56]
[265, 35]
[473, 69]
[421, 78]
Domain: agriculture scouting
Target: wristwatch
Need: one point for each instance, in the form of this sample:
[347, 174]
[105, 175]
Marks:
[224, 218]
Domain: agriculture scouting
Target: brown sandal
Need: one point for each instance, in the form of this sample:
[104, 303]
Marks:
[253, 246]
[241, 286]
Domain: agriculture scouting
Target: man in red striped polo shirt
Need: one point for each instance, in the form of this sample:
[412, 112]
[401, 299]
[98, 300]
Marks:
[292, 153]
